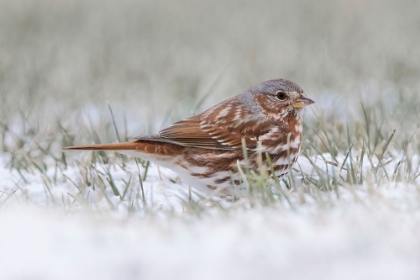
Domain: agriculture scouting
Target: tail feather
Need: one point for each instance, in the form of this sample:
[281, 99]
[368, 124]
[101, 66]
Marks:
[138, 146]
[109, 147]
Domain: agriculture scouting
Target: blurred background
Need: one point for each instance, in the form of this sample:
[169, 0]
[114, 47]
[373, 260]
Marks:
[65, 63]
[156, 57]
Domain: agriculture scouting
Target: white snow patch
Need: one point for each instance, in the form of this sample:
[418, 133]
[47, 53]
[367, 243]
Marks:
[346, 239]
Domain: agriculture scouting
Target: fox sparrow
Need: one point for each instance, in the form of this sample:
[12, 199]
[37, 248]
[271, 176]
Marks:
[205, 149]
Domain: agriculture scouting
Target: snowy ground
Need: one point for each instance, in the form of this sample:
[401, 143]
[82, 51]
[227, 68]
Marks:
[366, 234]
[96, 71]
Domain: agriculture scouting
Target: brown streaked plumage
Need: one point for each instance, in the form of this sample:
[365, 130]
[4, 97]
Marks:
[205, 149]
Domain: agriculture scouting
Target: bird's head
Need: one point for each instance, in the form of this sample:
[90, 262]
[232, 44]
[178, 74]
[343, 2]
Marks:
[278, 98]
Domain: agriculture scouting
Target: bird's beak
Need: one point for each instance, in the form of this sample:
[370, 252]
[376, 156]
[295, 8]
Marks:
[302, 101]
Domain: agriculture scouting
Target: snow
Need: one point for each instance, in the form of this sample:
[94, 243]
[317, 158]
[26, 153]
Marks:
[324, 238]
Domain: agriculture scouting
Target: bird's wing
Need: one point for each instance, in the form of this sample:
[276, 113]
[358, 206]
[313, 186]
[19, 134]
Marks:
[187, 133]
[220, 127]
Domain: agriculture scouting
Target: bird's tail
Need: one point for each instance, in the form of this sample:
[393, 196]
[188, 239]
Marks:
[110, 147]
[138, 146]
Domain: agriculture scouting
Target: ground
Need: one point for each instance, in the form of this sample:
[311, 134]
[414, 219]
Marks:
[80, 72]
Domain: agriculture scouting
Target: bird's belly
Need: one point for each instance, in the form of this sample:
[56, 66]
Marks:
[215, 173]
[199, 176]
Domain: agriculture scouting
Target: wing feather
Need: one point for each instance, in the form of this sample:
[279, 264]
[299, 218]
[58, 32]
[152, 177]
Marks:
[220, 127]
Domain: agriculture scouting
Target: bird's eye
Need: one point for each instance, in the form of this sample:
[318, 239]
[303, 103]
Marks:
[281, 95]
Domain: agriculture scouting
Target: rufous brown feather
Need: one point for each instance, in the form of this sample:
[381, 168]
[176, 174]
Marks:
[205, 149]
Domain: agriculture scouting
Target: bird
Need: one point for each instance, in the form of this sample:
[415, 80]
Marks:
[208, 150]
